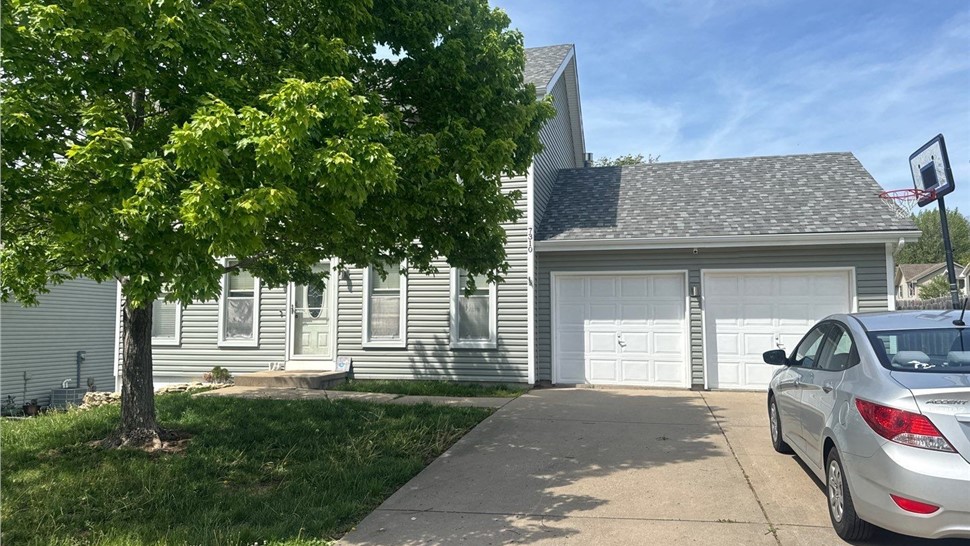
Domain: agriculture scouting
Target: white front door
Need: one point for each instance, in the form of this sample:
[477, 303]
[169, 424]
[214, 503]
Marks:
[620, 330]
[747, 314]
[311, 326]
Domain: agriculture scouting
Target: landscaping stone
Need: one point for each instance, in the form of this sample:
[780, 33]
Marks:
[101, 398]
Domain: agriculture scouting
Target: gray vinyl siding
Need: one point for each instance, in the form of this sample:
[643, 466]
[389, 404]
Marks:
[869, 262]
[78, 315]
[199, 350]
[429, 354]
[558, 149]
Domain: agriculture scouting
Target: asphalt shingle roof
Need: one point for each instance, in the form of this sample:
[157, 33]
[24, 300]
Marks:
[541, 64]
[817, 193]
[915, 271]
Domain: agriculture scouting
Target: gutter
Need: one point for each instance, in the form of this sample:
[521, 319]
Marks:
[729, 241]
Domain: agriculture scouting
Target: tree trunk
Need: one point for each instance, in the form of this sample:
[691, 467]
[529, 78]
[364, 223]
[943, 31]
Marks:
[138, 426]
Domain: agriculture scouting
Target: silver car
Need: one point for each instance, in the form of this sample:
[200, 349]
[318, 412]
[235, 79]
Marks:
[878, 406]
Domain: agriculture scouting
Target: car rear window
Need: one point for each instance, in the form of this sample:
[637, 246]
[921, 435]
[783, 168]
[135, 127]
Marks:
[945, 350]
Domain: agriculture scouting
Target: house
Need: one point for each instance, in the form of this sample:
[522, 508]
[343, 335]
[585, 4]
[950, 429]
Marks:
[671, 274]
[66, 339]
[910, 277]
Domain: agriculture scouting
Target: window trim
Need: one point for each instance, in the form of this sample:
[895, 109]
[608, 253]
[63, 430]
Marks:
[366, 342]
[457, 292]
[169, 341]
[257, 286]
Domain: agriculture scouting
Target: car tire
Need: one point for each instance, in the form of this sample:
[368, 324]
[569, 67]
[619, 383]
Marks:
[774, 425]
[848, 525]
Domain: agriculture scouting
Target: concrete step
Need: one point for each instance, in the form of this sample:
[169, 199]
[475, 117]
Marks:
[283, 379]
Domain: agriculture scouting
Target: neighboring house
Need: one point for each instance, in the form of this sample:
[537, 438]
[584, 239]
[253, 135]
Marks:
[670, 274]
[911, 277]
[44, 341]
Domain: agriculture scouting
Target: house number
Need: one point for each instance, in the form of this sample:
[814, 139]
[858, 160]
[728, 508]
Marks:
[529, 247]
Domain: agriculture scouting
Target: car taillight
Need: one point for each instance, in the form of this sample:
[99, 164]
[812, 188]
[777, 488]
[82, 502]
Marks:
[903, 427]
[916, 507]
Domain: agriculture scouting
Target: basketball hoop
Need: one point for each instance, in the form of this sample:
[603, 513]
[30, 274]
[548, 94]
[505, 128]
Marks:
[902, 202]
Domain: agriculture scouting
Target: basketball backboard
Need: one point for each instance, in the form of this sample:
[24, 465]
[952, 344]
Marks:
[931, 170]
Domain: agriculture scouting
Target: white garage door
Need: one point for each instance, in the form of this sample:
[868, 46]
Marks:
[747, 314]
[620, 329]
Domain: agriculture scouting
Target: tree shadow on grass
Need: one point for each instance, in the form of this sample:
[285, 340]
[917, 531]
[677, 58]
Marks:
[281, 471]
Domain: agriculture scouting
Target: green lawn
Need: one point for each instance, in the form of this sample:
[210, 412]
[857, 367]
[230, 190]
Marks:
[284, 472]
[430, 388]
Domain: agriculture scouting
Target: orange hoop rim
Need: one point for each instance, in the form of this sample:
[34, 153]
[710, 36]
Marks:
[907, 194]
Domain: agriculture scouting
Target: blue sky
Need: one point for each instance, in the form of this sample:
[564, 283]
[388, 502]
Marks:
[696, 79]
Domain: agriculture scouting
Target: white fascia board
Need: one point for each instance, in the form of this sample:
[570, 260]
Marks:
[559, 72]
[728, 241]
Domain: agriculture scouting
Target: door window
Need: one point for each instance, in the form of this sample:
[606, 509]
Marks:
[806, 355]
[841, 352]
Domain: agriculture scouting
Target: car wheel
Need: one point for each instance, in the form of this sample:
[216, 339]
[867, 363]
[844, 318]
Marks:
[846, 522]
[774, 424]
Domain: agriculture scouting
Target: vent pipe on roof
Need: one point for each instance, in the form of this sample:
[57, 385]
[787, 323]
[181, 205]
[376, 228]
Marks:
[589, 160]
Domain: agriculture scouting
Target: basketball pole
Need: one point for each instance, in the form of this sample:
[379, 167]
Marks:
[948, 248]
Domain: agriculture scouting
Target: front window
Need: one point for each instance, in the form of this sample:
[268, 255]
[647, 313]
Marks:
[166, 319]
[239, 309]
[473, 314]
[941, 350]
[385, 307]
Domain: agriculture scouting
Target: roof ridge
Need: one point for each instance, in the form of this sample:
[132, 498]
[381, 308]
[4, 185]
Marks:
[714, 160]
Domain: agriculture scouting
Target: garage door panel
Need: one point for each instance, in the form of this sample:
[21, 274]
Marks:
[767, 309]
[668, 343]
[758, 285]
[602, 287]
[791, 314]
[831, 286]
[728, 344]
[572, 367]
[758, 374]
[602, 314]
[602, 370]
[669, 372]
[633, 314]
[727, 286]
[756, 314]
[668, 285]
[625, 326]
[602, 342]
[570, 288]
[794, 285]
[667, 313]
[637, 342]
[571, 342]
[572, 315]
[634, 287]
[635, 370]
[756, 344]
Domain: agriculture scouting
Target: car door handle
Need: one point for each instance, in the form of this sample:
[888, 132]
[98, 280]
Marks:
[827, 387]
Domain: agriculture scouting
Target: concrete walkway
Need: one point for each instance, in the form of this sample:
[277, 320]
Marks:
[289, 393]
[582, 466]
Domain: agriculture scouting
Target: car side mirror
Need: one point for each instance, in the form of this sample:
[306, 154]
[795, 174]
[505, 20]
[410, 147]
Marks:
[776, 357]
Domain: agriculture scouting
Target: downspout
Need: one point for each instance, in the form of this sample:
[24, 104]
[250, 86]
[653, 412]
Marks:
[530, 274]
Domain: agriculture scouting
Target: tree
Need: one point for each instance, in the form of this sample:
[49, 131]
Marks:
[937, 287]
[144, 140]
[929, 248]
[625, 160]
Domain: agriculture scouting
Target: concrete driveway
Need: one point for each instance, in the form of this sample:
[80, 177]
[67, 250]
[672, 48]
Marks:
[593, 466]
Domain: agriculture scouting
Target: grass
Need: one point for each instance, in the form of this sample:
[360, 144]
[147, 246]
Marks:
[431, 388]
[283, 472]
